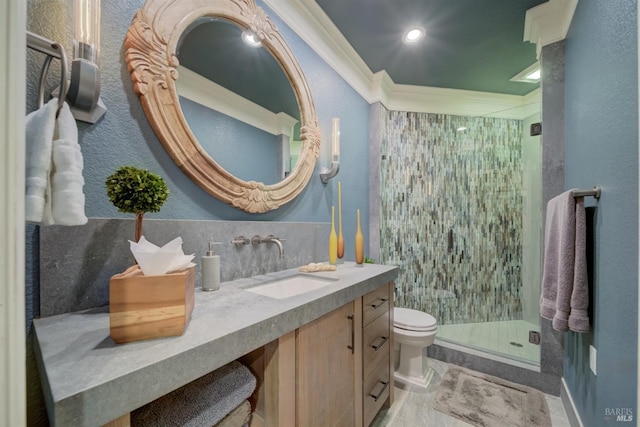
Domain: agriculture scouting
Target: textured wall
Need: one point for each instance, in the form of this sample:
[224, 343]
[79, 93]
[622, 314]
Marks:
[451, 214]
[243, 150]
[601, 89]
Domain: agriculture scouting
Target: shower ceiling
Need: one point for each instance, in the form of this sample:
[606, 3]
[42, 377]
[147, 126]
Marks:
[470, 44]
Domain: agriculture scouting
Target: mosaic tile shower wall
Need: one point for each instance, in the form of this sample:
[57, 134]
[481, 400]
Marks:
[451, 214]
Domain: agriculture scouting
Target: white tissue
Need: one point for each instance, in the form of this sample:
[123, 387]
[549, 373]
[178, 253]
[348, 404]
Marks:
[154, 261]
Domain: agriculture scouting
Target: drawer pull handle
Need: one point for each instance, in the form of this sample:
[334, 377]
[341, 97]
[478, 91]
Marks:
[377, 347]
[352, 347]
[382, 301]
[379, 395]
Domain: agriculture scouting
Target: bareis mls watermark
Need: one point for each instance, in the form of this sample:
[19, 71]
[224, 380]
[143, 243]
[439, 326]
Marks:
[618, 414]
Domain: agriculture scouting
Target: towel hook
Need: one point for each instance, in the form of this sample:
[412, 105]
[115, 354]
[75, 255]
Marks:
[52, 50]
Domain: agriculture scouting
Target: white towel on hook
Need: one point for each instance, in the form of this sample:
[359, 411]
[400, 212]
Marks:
[39, 128]
[66, 181]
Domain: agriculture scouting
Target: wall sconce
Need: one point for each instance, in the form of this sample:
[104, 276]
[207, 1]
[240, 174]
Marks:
[84, 88]
[325, 173]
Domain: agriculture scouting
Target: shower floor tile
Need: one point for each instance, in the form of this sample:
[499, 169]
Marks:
[508, 338]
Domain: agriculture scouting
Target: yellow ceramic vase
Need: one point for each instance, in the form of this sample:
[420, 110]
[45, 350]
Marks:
[333, 240]
[359, 242]
[340, 238]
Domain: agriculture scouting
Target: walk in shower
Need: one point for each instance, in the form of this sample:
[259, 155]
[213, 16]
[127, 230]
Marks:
[461, 216]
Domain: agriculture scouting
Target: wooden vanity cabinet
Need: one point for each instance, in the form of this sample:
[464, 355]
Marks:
[325, 370]
[377, 351]
[334, 371]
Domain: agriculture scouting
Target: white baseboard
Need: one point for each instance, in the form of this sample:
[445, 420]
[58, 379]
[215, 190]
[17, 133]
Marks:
[569, 407]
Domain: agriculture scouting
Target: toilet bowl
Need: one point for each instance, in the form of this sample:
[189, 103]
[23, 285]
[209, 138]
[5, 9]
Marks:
[413, 330]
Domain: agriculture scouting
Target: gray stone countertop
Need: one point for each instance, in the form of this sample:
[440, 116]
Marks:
[89, 380]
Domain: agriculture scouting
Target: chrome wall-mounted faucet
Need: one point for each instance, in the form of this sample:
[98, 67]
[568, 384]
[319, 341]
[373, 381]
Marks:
[256, 240]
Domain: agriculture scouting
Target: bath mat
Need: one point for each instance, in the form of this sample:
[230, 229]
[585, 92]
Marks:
[485, 401]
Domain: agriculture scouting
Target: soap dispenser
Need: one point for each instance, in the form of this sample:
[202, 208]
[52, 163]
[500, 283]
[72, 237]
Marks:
[211, 269]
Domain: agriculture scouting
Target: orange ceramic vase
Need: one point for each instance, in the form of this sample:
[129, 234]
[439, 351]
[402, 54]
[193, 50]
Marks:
[359, 242]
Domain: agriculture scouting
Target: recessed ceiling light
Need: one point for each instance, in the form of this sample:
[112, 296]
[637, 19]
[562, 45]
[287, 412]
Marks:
[413, 35]
[531, 74]
[535, 75]
[250, 39]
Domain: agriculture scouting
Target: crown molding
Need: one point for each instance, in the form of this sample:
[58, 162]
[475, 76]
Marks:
[548, 22]
[193, 86]
[307, 19]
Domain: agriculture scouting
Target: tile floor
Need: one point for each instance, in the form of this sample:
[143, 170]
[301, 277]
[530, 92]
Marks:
[496, 338]
[413, 407]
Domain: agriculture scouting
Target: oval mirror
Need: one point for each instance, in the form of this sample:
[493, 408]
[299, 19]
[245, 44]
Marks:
[151, 53]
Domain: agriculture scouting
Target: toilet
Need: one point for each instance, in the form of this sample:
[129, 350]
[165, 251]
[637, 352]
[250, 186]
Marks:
[413, 330]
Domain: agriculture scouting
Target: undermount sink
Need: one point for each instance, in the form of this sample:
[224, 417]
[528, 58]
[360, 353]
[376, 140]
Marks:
[291, 286]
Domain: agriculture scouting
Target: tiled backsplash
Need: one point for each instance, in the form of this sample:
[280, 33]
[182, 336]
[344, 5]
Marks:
[451, 214]
[77, 262]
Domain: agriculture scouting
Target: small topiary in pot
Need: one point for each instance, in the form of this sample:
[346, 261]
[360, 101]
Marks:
[136, 191]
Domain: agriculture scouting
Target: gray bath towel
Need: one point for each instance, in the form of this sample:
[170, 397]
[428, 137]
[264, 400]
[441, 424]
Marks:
[201, 403]
[238, 417]
[565, 296]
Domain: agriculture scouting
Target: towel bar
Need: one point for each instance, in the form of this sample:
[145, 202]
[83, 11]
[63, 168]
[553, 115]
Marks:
[52, 50]
[595, 192]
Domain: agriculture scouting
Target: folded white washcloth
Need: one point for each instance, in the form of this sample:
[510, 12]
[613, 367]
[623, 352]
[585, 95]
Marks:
[68, 208]
[39, 128]
[67, 155]
[67, 198]
[67, 181]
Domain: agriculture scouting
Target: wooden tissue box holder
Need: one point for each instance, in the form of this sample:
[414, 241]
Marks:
[144, 307]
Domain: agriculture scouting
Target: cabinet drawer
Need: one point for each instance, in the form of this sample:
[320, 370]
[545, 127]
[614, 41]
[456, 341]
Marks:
[376, 343]
[374, 304]
[376, 391]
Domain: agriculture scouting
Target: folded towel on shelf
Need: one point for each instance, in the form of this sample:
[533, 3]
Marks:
[39, 129]
[203, 402]
[238, 417]
[565, 297]
[66, 180]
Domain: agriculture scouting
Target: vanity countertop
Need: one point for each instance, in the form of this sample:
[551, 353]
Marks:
[90, 380]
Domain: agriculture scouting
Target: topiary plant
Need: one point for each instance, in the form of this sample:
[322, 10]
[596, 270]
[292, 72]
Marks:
[136, 191]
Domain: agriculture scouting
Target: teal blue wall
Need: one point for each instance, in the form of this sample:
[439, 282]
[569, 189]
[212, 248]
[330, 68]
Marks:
[124, 136]
[243, 150]
[601, 92]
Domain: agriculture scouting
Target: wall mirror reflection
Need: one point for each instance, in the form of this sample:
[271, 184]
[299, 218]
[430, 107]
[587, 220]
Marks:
[237, 101]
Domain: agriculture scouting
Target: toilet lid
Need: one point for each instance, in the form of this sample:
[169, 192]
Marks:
[413, 320]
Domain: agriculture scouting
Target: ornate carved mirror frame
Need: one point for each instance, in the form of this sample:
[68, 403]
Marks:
[151, 58]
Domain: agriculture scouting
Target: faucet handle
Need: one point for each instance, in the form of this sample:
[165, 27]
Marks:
[240, 241]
